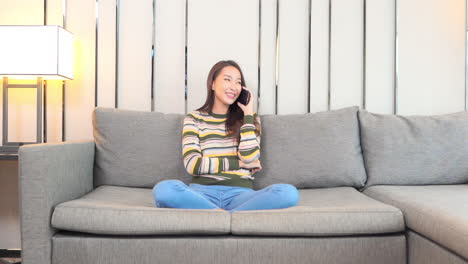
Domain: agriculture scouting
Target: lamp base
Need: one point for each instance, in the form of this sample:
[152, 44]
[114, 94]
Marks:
[12, 147]
[9, 149]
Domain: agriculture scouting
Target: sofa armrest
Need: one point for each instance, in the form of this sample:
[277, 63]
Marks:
[50, 173]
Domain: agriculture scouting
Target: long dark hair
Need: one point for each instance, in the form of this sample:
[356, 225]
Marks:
[235, 115]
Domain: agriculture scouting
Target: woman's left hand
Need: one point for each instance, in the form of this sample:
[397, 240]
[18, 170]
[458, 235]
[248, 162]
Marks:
[248, 109]
[254, 170]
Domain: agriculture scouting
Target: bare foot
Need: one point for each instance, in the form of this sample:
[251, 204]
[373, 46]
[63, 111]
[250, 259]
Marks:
[221, 209]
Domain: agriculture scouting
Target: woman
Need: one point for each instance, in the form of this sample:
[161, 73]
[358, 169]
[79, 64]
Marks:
[221, 150]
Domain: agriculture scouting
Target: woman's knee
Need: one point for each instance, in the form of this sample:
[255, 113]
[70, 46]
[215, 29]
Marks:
[164, 188]
[168, 184]
[289, 193]
[164, 192]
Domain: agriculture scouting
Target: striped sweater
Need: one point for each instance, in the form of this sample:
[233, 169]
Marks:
[212, 157]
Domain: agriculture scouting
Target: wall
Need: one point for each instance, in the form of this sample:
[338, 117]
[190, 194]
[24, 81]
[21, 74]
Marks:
[386, 56]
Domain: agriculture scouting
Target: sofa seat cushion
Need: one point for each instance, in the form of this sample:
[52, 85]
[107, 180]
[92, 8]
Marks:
[322, 212]
[131, 211]
[438, 212]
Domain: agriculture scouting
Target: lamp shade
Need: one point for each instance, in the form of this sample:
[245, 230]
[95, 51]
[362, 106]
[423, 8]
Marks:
[36, 51]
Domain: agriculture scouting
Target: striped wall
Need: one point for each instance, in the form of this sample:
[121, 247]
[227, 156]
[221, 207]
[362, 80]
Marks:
[297, 56]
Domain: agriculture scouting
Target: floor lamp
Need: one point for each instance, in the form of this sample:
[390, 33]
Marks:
[32, 53]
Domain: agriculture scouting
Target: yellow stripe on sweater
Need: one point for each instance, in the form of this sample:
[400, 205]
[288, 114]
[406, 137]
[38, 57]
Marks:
[236, 173]
[193, 166]
[190, 130]
[248, 133]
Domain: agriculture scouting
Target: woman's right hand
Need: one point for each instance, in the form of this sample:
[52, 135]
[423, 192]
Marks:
[251, 165]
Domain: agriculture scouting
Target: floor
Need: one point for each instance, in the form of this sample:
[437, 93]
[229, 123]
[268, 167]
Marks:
[10, 256]
[10, 260]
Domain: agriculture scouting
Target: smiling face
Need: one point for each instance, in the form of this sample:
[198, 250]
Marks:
[227, 86]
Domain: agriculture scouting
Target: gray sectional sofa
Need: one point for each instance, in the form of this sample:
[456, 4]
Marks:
[373, 189]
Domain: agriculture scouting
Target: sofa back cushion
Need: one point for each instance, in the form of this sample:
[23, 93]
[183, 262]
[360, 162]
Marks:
[413, 150]
[136, 148]
[311, 150]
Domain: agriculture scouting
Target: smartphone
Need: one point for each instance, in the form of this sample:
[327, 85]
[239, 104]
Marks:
[244, 97]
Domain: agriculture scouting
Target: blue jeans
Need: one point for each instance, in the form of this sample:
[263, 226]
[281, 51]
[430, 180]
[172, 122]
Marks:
[176, 194]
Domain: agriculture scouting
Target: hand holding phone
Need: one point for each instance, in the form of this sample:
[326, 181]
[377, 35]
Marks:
[244, 97]
[245, 101]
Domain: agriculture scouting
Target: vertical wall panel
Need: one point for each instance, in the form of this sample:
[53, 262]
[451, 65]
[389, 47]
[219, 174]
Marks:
[106, 41]
[220, 30]
[431, 56]
[54, 12]
[169, 59]
[20, 115]
[267, 98]
[54, 105]
[54, 96]
[135, 41]
[346, 53]
[380, 55]
[293, 57]
[79, 95]
[319, 55]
